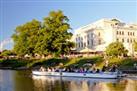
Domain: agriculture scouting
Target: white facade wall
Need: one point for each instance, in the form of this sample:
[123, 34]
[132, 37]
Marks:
[97, 36]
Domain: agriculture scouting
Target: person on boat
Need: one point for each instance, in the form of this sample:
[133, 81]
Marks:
[113, 68]
[135, 66]
[104, 68]
[76, 70]
[42, 68]
[94, 70]
[64, 69]
[106, 63]
[98, 71]
[49, 69]
[52, 69]
[81, 70]
[89, 70]
[85, 70]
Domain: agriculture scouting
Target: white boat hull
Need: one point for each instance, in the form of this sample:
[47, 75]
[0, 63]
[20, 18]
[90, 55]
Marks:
[107, 75]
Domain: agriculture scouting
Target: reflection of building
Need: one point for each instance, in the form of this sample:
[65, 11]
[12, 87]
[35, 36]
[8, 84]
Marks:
[131, 85]
[95, 37]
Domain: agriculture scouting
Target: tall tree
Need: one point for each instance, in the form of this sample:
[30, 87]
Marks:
[7, 53]
[25, 37]
[55, 34]
[116, 49]
[48, 37]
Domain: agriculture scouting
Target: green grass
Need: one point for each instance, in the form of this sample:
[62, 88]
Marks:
[123, 63]
[53, 62]
[79, 62]
[47, 62]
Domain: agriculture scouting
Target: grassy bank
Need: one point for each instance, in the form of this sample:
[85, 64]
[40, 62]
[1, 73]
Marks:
[123, 63]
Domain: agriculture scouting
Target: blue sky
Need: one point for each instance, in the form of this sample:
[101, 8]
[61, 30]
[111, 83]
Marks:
[80, 12]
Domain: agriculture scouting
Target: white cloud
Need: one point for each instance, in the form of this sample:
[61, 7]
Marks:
[4, 43]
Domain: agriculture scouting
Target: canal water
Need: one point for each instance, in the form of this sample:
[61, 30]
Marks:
[11, 80]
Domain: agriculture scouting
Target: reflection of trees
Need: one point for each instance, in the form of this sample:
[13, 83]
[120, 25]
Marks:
[73, 86]
[50, 84]
[78, 86]
[101, 87]
[53, 84]
[22, 82]
[124, 85]
[85, 86]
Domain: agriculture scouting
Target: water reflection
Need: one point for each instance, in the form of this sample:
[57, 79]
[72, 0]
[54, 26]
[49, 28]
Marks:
[6, 80]
[74, 84]
[84, 84]
[22, 81]
[131, 85]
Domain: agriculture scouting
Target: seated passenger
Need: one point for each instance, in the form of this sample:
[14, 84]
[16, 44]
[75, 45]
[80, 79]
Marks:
[89, 70]
[85, 70]
[48, 69]
[104, 68]
[94, 70]
[52, 69]
[113, 68]
[98, 71]
[81, 70]
[64, 69]
[42, 68]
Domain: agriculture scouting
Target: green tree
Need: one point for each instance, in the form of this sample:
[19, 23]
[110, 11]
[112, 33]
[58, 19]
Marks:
[7, 53]
[55, 34]
[48, 37]
[116, 49]
[25, 37]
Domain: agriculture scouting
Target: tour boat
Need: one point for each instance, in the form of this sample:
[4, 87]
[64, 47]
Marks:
[106, 75]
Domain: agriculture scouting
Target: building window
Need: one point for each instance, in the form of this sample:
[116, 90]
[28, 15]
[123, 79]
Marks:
[122, 32]
[127, 40]
[91, 41]
[81, 44]
[117, 32]
[88, 36]
[76, 39]
[117, 39]
[128, 33]
[99, 41]
[131, 40]
[77, 45]
[122, 40]
[87, 42]
[133, 33]
[116, 23]
[91, 35]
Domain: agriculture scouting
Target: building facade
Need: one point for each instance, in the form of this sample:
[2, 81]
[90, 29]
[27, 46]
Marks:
[96, 36]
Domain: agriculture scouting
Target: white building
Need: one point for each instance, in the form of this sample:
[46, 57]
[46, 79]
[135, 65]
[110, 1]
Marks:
[96, 36]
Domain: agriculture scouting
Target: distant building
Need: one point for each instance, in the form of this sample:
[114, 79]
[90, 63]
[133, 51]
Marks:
[96, 36]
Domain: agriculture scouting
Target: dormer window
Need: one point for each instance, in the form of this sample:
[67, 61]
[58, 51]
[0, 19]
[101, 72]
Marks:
[116, 23]
[131, 26]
